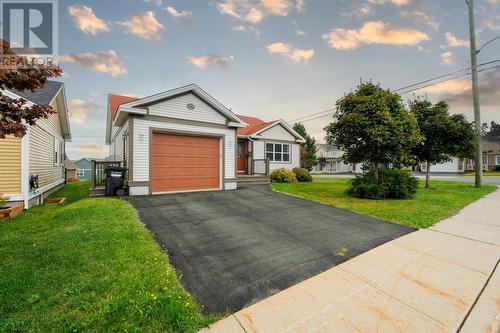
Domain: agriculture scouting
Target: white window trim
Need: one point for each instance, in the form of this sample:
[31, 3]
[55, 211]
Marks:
[274, 152]
[80, 172]
[58, 154]
[497, 159]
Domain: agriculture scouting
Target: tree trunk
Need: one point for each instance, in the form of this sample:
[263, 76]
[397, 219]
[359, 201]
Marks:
[427, 175]
[375, 171]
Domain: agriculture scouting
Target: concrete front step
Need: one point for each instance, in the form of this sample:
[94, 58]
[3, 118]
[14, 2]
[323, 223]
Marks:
[97, 192]
[253, 180]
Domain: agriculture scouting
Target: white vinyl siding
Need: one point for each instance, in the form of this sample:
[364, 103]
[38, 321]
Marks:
[277, 132]
[42, 156]
[450, 166]
[141, 147]
[177, 108]
[117, 142]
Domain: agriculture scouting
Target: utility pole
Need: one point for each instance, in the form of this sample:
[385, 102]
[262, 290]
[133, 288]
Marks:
[475, 96]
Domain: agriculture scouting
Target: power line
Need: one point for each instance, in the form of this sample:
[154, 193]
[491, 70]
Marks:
[444, 75]
[325, 115]
[455, 75]
[448, 79]
[310, 115]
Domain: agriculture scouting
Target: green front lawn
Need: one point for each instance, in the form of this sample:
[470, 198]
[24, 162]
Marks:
[88, 265]
[426, 208]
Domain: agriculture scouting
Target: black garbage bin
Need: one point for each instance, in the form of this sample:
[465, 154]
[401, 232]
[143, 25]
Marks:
[115, 179]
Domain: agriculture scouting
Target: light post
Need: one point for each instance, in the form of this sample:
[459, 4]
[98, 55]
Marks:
[124, 137]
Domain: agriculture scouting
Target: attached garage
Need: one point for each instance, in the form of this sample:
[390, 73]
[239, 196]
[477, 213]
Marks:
[185, 162]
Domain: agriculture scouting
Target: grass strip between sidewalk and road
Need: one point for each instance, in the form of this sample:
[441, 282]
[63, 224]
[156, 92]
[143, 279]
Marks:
[443, 199]
[89, 265]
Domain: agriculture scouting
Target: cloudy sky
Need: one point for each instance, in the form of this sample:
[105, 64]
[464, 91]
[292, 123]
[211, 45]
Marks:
[269, 58]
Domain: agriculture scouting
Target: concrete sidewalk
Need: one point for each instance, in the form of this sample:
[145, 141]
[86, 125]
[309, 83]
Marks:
[443, 279]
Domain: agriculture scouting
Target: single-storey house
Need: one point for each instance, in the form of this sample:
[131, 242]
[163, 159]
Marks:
[70, 169]
[32, 167]
[491, 159]
[185, 140]
[83, 168]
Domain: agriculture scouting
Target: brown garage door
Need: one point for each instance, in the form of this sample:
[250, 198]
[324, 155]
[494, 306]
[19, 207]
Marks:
[184, 162]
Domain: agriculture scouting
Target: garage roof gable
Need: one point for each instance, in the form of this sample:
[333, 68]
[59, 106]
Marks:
[138, 106]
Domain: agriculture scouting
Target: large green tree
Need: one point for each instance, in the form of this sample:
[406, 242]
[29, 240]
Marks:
[308, 149]
[444, 136]
[372, 126]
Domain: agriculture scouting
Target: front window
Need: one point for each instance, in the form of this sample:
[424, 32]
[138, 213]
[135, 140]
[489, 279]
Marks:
[278, 152]
[497, 160]
[80, 173]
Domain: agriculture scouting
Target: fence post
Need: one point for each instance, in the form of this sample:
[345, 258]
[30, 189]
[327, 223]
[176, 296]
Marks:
[92, 162]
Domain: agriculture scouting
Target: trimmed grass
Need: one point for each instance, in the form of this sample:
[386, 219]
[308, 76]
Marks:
[485, 173]
[88, 265]
[426, 208]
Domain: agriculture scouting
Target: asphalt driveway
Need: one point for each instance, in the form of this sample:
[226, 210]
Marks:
[234, 248]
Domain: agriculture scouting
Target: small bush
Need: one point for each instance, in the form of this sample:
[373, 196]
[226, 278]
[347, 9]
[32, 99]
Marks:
[398, 184]
[302, 175]
[283, 175]
[392, 183]
[496, 168]
[364, 186]
[3, 200]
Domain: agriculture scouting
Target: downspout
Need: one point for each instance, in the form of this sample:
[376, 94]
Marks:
[25, 168]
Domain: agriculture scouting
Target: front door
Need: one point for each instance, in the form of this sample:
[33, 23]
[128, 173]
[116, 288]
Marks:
[241, 155]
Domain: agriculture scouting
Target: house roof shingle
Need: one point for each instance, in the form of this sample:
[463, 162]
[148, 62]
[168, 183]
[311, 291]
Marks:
[254, 125]
[69, 164]
[42, 96]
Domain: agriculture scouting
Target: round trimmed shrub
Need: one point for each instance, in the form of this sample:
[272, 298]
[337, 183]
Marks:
[392, 183]
[364, 186]
[302, 175]
[399, 184]
[283, 175]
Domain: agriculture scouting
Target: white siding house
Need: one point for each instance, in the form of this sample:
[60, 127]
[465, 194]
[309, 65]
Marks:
[185, 140]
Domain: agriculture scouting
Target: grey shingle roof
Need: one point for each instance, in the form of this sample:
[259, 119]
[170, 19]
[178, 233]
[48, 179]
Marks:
[43, 95]
[69, 164]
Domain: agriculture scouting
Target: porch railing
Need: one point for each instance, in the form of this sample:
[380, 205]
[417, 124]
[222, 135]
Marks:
[260, 167]
[98, 175]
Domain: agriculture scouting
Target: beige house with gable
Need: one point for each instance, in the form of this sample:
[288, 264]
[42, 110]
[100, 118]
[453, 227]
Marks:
[32, 167]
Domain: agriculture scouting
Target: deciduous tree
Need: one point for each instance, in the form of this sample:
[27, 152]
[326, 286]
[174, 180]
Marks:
[444, 136]
[16, 113]
[308, 149]
[372, 126]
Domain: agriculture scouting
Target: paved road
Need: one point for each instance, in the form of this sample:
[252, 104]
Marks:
[437, 176]
[234, 248]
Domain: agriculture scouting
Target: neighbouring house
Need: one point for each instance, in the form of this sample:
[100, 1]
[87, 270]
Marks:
[70, 169]
[332, 155]
[84, 168]
[185, 140]
[456, 165]
[32, 167]
[491, 159]
[491, 155]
